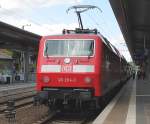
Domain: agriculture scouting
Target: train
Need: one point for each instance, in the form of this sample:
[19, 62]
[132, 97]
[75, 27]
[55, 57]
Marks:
[77, 67]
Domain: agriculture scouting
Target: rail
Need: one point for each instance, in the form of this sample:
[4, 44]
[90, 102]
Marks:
[69, 118]
[22, 97]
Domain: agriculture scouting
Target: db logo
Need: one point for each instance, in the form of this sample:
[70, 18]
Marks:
[66, 68]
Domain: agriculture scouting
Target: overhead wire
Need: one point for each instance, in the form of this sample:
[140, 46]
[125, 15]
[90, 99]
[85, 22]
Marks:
[21, 17]
[103, 22]
[97, 24]
[106, 29]
[76, 2]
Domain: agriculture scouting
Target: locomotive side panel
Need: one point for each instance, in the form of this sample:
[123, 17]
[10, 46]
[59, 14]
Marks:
[39, 63]
[98, 66]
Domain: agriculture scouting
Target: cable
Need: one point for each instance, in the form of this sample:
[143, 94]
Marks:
[76, 2]
[97, 24]
[107, 28]
[124, 49]
[20, 16]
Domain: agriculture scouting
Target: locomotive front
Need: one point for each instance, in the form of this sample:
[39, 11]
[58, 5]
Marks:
[68, 67]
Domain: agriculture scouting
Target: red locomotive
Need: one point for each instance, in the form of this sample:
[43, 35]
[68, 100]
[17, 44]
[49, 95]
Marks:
[79, 65]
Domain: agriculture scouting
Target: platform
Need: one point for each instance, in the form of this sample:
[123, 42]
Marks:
[130, 106]
[7, 87]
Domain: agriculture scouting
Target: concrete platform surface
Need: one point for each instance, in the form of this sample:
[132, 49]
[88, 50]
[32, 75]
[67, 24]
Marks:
[143, 102]
[130, 106]
[5, 87]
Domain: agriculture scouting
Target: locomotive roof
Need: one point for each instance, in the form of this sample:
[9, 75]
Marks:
[71, 35]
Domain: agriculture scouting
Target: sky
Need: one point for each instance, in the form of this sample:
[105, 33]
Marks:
[48, 17]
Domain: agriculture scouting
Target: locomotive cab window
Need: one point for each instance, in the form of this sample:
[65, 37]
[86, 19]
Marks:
[69, 48]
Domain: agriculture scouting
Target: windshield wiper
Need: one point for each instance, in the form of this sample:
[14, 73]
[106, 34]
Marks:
[91, 50]
[46, 51]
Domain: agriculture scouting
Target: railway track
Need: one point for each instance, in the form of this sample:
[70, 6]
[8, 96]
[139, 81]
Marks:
[68, 118]
[22, 97]
[85, 117]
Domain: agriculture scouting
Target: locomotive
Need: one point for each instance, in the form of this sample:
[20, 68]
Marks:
[78, 66]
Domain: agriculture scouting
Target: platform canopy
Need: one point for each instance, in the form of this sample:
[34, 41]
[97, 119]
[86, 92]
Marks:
[15, 38]
[133, 17]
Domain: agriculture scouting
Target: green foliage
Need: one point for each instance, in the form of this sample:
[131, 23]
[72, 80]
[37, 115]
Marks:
[16, 55]
[8, 52]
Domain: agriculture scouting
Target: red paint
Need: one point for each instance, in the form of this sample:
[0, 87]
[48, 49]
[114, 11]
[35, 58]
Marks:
[68, 78]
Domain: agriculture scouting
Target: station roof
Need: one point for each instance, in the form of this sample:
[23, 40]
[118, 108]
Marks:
[134, 21]
[15, 38]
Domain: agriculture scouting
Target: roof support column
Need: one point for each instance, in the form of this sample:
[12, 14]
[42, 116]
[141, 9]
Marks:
[26, 66]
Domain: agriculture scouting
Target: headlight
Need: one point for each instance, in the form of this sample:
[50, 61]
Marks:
[46, 79]
[88, 80]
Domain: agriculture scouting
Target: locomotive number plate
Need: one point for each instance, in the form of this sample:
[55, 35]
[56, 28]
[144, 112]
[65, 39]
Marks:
[66, 68]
